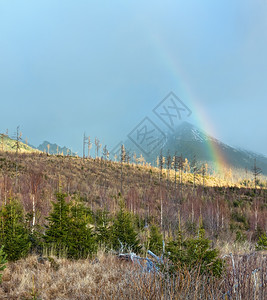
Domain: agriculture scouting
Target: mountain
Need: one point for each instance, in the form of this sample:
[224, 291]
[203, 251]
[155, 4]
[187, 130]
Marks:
[191, 141]
[9, 144]
[53, 148]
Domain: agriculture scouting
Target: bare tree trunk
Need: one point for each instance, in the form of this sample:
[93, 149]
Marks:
[192, 213]
[5, 187]
[161, 212]
[218, 217]
[33, 212]
[256, 217]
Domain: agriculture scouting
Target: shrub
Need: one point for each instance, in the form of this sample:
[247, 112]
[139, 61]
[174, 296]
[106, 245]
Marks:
[262, 243]
[240, 237]
[194, 251]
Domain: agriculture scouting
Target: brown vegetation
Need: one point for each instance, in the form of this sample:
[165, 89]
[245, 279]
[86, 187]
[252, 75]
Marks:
[229, 213]
[109, 278]
[233, 217]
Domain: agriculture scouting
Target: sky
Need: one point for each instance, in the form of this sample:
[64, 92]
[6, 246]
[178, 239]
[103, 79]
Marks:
[100, 67]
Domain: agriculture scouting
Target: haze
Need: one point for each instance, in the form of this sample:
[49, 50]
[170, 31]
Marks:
[69, 67]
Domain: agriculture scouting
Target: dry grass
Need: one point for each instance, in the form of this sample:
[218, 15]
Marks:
[63, 279]
[109, 278]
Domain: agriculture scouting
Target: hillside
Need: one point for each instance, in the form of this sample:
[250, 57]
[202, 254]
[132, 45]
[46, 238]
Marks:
[144, 190]
[95, 190]
[8, 144]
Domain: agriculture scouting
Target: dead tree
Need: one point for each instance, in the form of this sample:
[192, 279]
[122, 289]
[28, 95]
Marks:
[256, 172]
[195, 170]
[105, 152]
[105, 156]
[175, 166]
[168, 164]
[123, 158]
[17, 145]
[160, 188]
[35, 182]
[160, 165]
[127, 160]
[204, 170]
[89, 145]
[97, 147]
[84, 144]
[181, 169]
[18, 136]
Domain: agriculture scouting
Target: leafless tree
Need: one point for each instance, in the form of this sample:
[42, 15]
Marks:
[195, 170]
[18, 136]
[35, 181]
[89, 145]
[84, 144]
[168, 164]
[123, 158]
[160, 188]
[160, 165]
[175, 166]
[256, 172]
[97, 147]
[181, 169]
[203, 170]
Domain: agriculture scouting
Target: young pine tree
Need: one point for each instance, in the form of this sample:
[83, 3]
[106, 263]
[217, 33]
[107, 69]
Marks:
[67, 232]
[123, 232]
[155, 240]
[193, 252]
[81, 240]
[14, 235]
[103, 230]
[56, 234]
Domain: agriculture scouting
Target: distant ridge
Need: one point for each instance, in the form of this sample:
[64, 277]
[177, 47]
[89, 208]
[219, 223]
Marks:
[54, 149]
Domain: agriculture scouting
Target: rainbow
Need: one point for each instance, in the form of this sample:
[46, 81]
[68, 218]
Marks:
[200, 117]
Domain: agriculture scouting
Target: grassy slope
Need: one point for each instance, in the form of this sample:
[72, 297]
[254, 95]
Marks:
[8, 144]
[71, 167]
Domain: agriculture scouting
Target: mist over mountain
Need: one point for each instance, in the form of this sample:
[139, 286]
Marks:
[190, 141]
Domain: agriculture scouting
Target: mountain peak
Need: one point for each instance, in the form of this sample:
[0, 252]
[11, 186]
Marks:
[189, 132]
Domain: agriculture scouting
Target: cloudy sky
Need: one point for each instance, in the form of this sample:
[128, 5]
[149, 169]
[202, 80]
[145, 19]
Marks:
[69, 67]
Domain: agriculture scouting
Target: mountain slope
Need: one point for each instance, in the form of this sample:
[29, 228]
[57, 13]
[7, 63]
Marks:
[191, 141]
